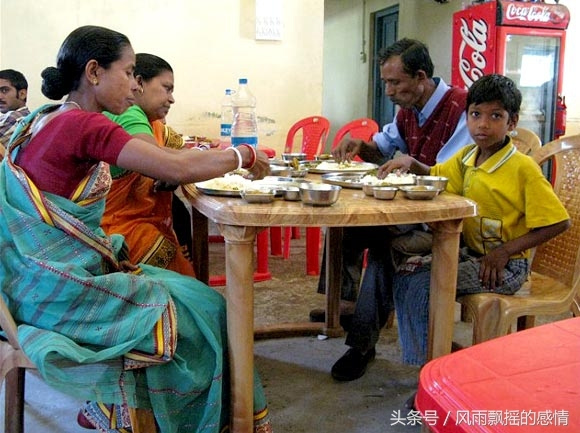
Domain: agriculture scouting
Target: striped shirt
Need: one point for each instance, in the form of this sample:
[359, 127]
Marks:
[8, 123]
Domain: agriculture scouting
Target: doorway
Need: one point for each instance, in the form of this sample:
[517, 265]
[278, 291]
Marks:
[386, 29]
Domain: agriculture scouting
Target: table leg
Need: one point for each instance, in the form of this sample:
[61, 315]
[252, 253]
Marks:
[443, 286]
[333, 247]
[239, 252]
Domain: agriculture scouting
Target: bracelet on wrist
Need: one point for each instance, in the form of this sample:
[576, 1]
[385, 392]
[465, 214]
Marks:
[253, 156]
[238, 155]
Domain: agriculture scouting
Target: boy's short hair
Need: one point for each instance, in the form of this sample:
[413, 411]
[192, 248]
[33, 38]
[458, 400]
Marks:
[495, 87]
[16, 78]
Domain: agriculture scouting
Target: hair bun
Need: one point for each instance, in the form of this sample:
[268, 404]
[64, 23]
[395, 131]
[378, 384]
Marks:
[54, 86]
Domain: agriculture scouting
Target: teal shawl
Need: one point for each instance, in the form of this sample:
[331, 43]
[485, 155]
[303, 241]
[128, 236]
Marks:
[86, 326]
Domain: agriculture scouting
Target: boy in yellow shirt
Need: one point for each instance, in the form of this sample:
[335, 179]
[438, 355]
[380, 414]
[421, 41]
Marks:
[516, 211]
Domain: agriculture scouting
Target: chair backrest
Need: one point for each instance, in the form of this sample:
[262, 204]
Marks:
[362, 129]
[559, 258]
[526, 140]
[314, 131]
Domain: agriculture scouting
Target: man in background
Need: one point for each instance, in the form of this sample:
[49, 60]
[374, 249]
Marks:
[13, 94]
[430, 126]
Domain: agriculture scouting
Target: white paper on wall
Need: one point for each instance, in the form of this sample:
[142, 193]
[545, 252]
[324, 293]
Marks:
[269, 20]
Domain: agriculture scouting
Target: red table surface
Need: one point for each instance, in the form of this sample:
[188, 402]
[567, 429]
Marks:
[531, 375]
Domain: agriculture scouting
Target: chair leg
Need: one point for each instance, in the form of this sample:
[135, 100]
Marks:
[576, 306]
[14, 401]
[276, 241]
[295, 232]
[142, 421]
[312, 250]
[286, 243]
[526, 322]
[262, 252]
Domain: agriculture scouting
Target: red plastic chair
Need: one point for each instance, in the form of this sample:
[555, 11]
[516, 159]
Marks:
[362, 129]
[314, 131]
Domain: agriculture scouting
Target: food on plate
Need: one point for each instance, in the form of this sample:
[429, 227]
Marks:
[327, 165]
[391, 179]
[231, 182]
[397, 178]
[371, 179]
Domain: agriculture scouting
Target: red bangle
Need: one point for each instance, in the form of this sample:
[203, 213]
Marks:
[253, 157]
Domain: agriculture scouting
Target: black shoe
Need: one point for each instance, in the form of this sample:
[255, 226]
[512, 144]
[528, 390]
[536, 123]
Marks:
[410, 403]
[352, 365]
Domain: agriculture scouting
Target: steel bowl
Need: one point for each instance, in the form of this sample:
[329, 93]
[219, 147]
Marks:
[280, 171]
[258, 195]
[319, 194]
[439, 182]
[420, 192]
[291, 156]
[385, 192]
[368, 189]
[291, 193]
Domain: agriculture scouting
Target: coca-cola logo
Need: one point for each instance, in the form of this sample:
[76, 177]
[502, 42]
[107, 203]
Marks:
[472, 62]
[540, 14]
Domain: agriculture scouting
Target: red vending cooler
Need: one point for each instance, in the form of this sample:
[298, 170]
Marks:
[523, 40]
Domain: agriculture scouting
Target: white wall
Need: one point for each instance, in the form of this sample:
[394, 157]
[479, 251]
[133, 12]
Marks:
[347, 79]
[209, 43]
[315, 69]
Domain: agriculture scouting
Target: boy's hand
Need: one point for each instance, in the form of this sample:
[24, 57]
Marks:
[402, 163]
[491, 268]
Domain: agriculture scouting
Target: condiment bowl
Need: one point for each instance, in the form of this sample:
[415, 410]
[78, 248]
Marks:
[439, 182]
[291, 156]
[278, 170]
[319, 194]
[291, 193]
[368, 189]
[385, 192]
[258, 195]
[420, 192]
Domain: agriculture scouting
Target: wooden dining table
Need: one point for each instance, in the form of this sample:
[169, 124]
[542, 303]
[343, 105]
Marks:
[239, 222]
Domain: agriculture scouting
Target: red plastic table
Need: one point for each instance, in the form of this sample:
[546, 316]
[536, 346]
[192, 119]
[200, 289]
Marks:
[527, 382]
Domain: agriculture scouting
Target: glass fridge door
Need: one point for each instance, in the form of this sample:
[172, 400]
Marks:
[532, 62]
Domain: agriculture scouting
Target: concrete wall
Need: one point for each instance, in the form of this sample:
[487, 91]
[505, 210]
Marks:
[210, 44]
[315, 69]
[347, 77]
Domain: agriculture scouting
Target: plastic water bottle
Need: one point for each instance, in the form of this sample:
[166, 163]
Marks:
[227, 118]
[244, 126]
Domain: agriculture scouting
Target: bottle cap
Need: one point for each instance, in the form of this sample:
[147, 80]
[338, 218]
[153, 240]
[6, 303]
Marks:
[243, 81]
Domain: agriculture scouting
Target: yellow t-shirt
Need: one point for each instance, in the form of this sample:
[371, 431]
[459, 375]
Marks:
[511, 193]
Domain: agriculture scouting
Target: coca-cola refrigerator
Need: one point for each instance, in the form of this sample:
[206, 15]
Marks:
[524, 41]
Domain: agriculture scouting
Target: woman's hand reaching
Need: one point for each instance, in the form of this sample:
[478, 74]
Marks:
[262, 166]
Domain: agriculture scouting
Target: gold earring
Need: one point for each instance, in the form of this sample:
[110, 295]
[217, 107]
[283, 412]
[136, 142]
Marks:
[141, 89]
[95, 82]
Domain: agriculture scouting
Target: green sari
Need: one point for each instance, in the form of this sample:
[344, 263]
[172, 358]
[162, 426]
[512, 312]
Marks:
[89, 328]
